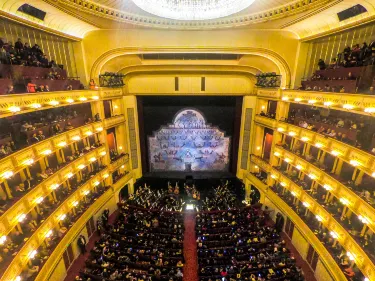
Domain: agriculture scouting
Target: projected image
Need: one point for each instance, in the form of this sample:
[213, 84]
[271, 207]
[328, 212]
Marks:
[189, 144]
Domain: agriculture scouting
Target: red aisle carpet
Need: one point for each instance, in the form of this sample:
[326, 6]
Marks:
[190, 248]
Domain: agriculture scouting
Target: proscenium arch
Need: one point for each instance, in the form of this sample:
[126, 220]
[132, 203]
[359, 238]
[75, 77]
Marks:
[271, 55]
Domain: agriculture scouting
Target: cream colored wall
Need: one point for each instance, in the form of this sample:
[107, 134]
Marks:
[300, 243]
[60, 272]
[321, 272]
[189, 84]
[283, 43]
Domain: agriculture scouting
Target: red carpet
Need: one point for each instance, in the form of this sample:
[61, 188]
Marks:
[190, 248]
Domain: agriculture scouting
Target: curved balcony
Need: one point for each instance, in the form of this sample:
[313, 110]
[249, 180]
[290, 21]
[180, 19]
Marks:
[313, 240]
[113, 121]
[269, 93]
[362, 260]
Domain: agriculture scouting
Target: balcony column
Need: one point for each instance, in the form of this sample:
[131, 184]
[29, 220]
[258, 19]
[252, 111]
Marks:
[282, 110]
[335, 164]
[339, 167]
[359, 178]
[7, 190]
[322, 156]
[60, 156]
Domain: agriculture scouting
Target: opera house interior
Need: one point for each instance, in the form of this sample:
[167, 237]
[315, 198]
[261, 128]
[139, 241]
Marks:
[187, 140]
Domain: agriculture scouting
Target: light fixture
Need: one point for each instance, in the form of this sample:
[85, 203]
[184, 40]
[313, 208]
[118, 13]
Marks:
[344, 201]
[312, 176]
[319, 218]
[370, 109]
[14, 109]
[39, 200]
[99, 129]
[348, 106]
[115, 106]
[69, 175]
[95, 97]
[28, 162]
[294, 194]
[3, 239]
[54, 186]
[75, 204]
[7, 174]
[92, 159]
[21, 217]
[373, 174]
[76, 138]
[327, 103]
[256, 167]
[327, 187]
[49, 233]
[354, 163]
[88, 133]
[335, 153]
[306, 204]
[123, 166]
[281, 129]
[35, 105]
[61, 144]
[258, 147]
[363, 219]
[350, 256]
[120, 147]
[283, 184]
[334, 234]
[312, 101]
[366, 279]
[47, 152]
[274, 177]
[189, 207]
[305, 139]
[86, 192]
[81, 166]
[299, 167]
[32, 254]
[53, 102]
[292, 133]
[18, 278]
[277, 154]
[83, 99]
[263, 107]
[70, 100]
[62, 217]
[105, 176]
[96, 183]
[297, 99]
[319, 145]
[287, 160]
[284, 98]
[103, 153]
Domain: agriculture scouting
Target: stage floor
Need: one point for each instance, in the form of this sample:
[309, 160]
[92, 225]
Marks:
[183, 175]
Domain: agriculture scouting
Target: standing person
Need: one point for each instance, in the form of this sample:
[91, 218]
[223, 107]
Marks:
[82, 244]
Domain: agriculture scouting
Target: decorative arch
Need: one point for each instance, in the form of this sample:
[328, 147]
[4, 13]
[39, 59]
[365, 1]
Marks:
[268, 54]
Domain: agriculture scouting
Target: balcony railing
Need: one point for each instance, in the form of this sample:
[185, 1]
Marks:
[113, 121]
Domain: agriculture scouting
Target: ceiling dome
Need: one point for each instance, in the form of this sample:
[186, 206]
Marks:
[193, 9]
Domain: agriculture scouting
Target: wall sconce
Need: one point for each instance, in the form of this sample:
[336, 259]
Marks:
[81, 166]
[95, 97]
[28, 162]
[99, 129]
[280, 129]
[115, 107]
[299, 167]
[258, 147]
[344, 201]
[328, 103]
[319, 145]
[370, 109]
[319, 218]
[287, 160]
[297, 99]
[105, 176]
[283, 184]
[54, 186]
[70, 100]
[327, 187]
[75, 204]
[305, 139]
[3, 239]
[76, 138]
[120, 147]
[86, 192]
[312, 176]
[36, 105]
[53, 102]
[335, 153]
[69, 175]
[277, 154]
[62, 217]
[83, 99]
[364, 219]
[21, 218]
[92, 159]
[292, 134]
[334, 234]
[61, 144]
[294, 194]
[306, 204]
[123, 166]
[312, 101]
[284, 98]
[14, 109]
[39, 200]
[350, 256]
[18, 278]
[354, 163]
[256, 167]
[96, 183]
[32, 254]
[88, 133]
[48, 234]
[7, 174]
[103, 153]
[348, 106]
[274, 177]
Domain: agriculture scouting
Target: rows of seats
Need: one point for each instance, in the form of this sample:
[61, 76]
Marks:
[139, 245]
[239, 245]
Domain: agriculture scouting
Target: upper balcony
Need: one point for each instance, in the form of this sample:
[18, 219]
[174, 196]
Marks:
[113, 121]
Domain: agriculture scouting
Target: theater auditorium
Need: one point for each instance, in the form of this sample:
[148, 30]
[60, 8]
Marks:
[187, 140]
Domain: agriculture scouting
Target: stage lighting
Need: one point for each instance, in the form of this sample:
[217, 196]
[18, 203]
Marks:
[189, 207]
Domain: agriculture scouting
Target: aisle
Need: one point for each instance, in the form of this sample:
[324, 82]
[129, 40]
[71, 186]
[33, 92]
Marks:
[190, 248]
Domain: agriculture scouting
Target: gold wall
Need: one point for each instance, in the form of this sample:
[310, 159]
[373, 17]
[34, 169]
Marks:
[55, 47]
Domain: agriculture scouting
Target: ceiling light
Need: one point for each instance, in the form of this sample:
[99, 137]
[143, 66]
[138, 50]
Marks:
[69, 175]
[49, 233]
[88, 133]
[294, 194]
[75, 203]
[86, 192]
[350, 256]
[62, 217]
[312, 176]
[193, 9]
[283, 184]
[274, 177]
[3, 239]
[105, 176]
[287, 160]
[328, 103]
[18, 278]
[96, 183]
[319, 218]
[297, 99]
[344, 201]
[7, 174]
[54, 186]
[103, 153]
[348, 106]
[305, 139]
[21, 217]
[123, 166]
[53, 102]
[39, 200]
[277, 154]
[14, 109]
[120, 147]
[363, 219]
[258, 147]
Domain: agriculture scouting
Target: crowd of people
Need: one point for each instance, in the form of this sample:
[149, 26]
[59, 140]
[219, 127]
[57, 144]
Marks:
[111, 79]
[239, 245]
[222, 198]
[141, 245]
[23, 54]
[268, 80]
